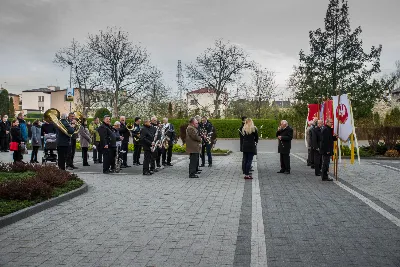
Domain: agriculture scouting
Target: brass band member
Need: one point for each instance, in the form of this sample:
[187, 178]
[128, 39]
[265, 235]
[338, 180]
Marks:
[159, 144]
[154, 131]
[285, 136]
[136, 141]
[146, 140]
[107, 143]
[63, 141]
[169, 135]
[97, 156]
[72, 147]
[206, 130]
[193, 147]
[125, 133]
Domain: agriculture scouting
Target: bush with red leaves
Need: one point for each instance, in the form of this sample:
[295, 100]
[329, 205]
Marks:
[39, 186]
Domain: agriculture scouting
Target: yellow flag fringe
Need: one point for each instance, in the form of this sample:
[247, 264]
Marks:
[352, 149]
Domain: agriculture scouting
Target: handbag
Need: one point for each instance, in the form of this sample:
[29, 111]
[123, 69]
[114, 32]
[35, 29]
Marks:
[22, 149]
[14, 146]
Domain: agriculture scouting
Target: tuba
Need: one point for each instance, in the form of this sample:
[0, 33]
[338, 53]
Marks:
[53, 116]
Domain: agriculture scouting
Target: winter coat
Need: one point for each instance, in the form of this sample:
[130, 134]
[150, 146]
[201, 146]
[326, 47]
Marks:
[36, 136]
[24, 129]
[4, 127]
[309, 135]
[84, 136]
[315, 137]
[63, 139]
[284, 145]
[193, 140]
[327, 140]
[250, 142]
[107, 136]
[48, 128]
[146, 137]
[124, 132]
[16, 135]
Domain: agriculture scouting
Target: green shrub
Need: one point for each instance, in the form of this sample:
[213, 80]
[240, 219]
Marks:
[392, 153]
[101, 112]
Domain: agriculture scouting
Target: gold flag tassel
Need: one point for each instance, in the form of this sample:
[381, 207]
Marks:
[352, 149]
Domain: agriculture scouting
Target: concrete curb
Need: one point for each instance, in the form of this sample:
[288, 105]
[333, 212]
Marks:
[372, 158]
[29, 211]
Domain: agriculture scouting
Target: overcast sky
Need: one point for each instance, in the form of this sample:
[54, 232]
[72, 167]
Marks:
[273, 32]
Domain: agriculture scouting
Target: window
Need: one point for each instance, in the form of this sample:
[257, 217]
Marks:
[193, 102]
[41, 108]
[41, 98]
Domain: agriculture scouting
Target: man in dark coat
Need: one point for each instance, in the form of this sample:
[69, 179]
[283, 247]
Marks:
[169, 131]
[125, 133]
[5, 129]
[315, 142]
[107, 143]
[136, 142]
[72, 147]
[285, 136]
[326, 148]
[63, 141]
[206, 129]
[147, 141]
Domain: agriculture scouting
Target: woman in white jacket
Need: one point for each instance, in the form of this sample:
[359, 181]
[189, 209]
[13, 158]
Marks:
[85, 140]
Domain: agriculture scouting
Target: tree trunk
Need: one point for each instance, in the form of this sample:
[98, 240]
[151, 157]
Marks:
[216, 114]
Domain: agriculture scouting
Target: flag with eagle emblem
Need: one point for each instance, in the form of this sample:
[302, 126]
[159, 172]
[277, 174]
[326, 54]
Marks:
[343, 119]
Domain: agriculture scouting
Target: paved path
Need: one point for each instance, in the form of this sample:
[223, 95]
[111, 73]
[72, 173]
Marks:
[220, 219]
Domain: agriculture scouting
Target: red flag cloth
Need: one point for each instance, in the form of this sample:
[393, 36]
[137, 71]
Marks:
[313, 111]
[328, 111]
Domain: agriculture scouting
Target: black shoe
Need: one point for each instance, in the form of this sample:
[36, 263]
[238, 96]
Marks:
[202, 165]
[151, 172]
[155, 170]
[317, 174]
[287, 172]
[312, 167]
[308, 164]
[251, 170]
[158, 166]
[86, 165]
[126, 166]
[327, 179]
[100, 162]
[163, 163]
[209, 165]
[74, 167]
[198, 172]
[138, 163]
[193, 176]
[106, 172]
[281, 171]
[147, 173]
[169, 164]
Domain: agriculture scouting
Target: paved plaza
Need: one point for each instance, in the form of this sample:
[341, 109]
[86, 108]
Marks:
[219, 219]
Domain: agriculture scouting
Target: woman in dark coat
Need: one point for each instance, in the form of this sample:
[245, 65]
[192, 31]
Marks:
[16, 137]
[249, 146]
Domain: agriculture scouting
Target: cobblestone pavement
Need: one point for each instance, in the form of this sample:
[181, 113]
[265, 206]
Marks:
[309, 222]
[220, 219]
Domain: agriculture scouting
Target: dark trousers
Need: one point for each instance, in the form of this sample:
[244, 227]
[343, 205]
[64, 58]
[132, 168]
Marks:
[100, 154]
[167, 155]
[153, 159]
[62, 156]
[285, 162]
[71, 153]
[206, 148]
[248, 159]
[108, 158]
[326, 159]
[158, 158]
[85, 155]
[317, 161]
[193, 164]
[34, 153]
[136, 153]
[95, 151]
[4, 143]
[124, 147]
[146, 161]
[309, 160]
[311, 151]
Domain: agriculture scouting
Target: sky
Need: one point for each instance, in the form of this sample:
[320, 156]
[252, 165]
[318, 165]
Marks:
[272, 32]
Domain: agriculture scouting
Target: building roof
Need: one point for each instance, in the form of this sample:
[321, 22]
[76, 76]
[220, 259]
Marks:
[43, 90]
[282, 104]
[11, 94]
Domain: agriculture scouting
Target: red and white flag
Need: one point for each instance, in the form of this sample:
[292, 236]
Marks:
[343, 119]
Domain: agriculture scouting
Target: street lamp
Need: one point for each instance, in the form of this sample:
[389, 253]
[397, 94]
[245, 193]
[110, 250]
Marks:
[70, 80]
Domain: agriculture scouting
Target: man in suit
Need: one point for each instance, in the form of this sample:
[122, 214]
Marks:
[147, 141]
[170, 132]
[107, 143]
[285, 136]
[136, 142]
[63, 141]
[193, 147]
[315, 146]
[72, 147]
[326, 148]
[5, 128]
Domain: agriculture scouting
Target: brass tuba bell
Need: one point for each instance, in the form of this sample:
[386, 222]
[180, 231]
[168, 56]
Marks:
[53, 116]
[78, 117]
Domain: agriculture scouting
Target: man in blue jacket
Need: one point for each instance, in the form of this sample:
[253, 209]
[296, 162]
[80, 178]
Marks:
[23, 127]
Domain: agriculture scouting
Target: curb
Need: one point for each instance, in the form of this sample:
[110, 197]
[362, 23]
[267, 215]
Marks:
[372, 158]
[29, 211]
[212, 154]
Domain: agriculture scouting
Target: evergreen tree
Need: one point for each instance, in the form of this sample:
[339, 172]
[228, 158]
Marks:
[338, 63]
[4, 102]
[11, 110]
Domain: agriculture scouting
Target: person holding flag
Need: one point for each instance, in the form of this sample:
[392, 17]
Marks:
[326, 148]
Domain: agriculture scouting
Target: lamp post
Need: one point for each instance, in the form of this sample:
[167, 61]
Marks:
[70, 80]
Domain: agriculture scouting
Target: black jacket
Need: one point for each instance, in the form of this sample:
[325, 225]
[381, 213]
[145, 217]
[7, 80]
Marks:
[4, 126]
[29, 126]
[62, 138]
[170, 132]
[206, 128]
[74, 136]
[124, 132]
[48, 128]
[285, 144]
[146, 137]
[327, 140]
[249, 142]
[241, 137]
[107, 136]
[136, 134]
[16, 135]
[315, 137]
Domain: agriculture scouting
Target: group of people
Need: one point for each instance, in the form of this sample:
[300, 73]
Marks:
[320, 140]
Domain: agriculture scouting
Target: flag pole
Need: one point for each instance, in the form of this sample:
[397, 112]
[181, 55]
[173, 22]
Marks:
[337, 132]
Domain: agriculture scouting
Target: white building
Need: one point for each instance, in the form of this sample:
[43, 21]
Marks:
[36, 100]
[203, 101]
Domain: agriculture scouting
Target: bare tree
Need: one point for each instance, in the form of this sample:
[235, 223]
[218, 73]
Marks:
[125, 66]
[85, 72]
[218, 68]
[262, 87]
